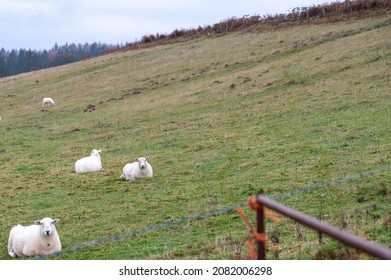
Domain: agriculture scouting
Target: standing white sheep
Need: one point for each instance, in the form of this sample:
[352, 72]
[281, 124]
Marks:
[89, 164]
[39, 239]
[138, 169]
[47, 101]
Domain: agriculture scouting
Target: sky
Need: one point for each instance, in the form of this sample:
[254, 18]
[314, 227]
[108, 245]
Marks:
[39, 24]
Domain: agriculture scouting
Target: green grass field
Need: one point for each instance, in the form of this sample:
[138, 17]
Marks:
[222, 118]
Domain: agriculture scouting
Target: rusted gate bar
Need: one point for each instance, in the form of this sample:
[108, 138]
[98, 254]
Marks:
[346, 238]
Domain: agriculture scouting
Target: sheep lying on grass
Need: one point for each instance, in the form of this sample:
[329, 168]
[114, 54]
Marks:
[47, 101]
[89, 164]
[139, 169]
[40, 239]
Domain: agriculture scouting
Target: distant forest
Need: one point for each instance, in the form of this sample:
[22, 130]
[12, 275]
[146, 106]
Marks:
[19, 61]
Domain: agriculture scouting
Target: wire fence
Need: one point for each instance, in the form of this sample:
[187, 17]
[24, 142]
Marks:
[213, 213]
[331, 183]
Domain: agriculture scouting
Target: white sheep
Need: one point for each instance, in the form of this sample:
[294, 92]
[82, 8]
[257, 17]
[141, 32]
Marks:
[138, 169]
[47, 101]
[39, 239]
[89, 164]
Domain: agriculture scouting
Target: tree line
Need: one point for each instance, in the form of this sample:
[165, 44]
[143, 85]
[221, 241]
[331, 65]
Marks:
[19, 61]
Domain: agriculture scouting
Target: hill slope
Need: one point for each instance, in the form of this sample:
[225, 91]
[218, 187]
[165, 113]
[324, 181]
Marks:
[221, 118]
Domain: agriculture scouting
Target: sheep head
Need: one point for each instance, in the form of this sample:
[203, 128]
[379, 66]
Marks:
[46, 226]
[95, 152]
[142, 162]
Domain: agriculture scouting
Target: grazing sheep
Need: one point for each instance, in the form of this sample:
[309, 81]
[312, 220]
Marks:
[47, 101]
[139, 169]
[89, 164]
[39, 239]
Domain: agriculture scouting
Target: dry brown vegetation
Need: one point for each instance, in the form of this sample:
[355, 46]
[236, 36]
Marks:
[316, 14]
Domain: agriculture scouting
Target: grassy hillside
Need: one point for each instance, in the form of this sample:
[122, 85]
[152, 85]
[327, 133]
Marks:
[221, 118]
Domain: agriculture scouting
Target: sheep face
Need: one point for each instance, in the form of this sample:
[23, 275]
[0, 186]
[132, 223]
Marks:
[46, 226]
[142, 162]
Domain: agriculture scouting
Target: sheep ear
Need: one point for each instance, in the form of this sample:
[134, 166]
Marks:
[37, 222]
[55, 221]
[99, 151]
[146, 158]
[136, 159]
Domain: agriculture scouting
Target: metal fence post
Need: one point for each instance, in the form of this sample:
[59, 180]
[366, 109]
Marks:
[261, 230]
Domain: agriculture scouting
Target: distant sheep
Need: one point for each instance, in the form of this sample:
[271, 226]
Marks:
[89, 164]
[47, 101]
[39, 239]
[139, 169]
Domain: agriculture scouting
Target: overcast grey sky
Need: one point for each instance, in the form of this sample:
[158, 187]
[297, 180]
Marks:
[39, 24]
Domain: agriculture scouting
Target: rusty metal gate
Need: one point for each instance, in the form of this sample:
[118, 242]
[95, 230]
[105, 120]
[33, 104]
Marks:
[260, 202]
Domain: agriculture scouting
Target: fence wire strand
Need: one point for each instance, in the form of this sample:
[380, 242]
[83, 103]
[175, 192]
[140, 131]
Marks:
[331, 183]
[212, 213]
